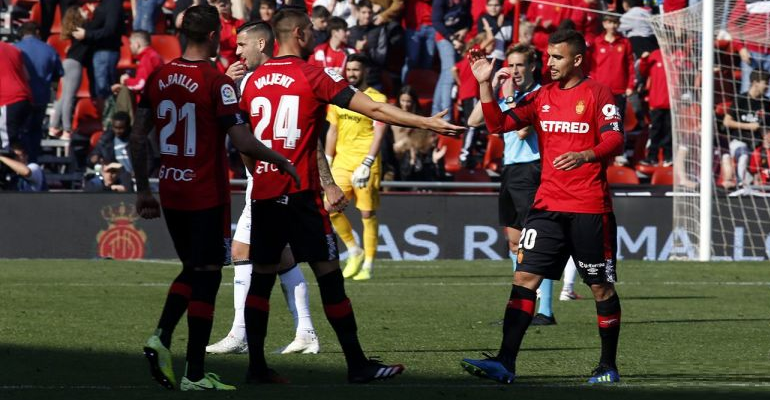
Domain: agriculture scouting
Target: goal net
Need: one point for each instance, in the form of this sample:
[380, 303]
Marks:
[740, 188]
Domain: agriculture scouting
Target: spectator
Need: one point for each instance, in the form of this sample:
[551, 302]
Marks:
[145, 14]
[109, 178]
[113, 144]
[749, 30]
[320, 20]
[759, 159]
[501, 28]
[744, 120]
[44, 67]
[227, 37]
[397, 137]
[61, 120]
[386, 11]
[635, 25]
[586, 22]
[420, 36]
[29, 176]
[15, 96]
[264, 11]
[421, 158]
[48, 13]
[334, 53]
[651, 67]
[103, 35]
[612, 62]
[452, 20]
[370, 40]
[148, 60]
[344, 9]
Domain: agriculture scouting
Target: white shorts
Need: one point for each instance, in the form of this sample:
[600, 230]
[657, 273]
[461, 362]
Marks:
[243, 229]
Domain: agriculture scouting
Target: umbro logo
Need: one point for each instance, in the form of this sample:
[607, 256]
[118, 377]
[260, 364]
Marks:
[546, 108]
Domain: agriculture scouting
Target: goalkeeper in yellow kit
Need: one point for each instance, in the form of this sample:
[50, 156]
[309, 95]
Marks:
[353, 146]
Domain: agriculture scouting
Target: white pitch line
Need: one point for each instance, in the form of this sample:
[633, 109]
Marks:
[389, 284]
[624, 385]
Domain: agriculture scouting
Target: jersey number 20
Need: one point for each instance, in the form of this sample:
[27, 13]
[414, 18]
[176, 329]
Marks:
[167, 110]
[285, 125]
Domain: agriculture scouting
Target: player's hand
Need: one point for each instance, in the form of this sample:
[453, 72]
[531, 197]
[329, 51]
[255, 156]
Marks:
[569, 161]
[438, 124]
[288, 168]
[236, 70]
[481, 67]
[146, 205]
[360, 176]
[335, 199]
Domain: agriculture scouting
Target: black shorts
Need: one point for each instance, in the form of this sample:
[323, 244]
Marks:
[298, 219]
[517, 192]
[550, 238]
[201, 237]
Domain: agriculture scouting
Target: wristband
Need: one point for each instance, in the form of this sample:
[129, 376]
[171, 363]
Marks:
[368, 161]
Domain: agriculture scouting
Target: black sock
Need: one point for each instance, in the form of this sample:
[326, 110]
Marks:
[339, 312]
[200, 318]
[175, 306]
[608, 318]
[256, 313]
[518, 315]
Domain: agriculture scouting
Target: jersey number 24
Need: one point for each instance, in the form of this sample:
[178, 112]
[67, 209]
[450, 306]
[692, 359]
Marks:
[285, 124]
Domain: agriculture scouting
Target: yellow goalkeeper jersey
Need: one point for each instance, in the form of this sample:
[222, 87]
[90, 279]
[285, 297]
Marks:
[355, 133]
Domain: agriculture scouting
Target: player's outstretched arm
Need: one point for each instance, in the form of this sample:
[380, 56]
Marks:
[393, 115]
[146, 205]
[246, 143]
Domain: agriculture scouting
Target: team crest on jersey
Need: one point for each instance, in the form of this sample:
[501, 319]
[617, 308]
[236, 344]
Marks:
[336, 77]
[580, 107]
[121, 240]
[228, 95]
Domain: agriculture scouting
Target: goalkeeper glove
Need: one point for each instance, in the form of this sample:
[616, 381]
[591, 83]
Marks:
[361, 174]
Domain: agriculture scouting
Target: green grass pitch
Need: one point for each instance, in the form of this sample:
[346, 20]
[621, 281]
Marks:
[74, 329]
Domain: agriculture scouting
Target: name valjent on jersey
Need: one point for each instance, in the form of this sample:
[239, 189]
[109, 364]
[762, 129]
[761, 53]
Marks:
[274, 79]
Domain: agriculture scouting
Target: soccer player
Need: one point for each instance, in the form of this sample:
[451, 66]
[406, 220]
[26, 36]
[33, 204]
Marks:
[193, 107]
[255, 41]
[353, 141]
[579, 131]
[286, 99]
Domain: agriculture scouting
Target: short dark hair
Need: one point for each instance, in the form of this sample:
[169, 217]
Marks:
[18, 145]
[530, 56]
[199, 21]
[122, 116]
[758, 75]
[572, 38]
[287, 19]
[611, 17]
[634, 3]
[567, 24]
[337, 23]
[359, 58]
[364, 3]
[28, 28]
[270, 3]
[262, 29]
[320, 12]
[144, 36]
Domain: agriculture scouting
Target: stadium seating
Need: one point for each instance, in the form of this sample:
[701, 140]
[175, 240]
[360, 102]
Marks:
[126, 60]
[493, 157]
[167, 46]
[61, 46]
[424, 83]
[454, 145]
[621, 175]
[663, 176]
[86, 119]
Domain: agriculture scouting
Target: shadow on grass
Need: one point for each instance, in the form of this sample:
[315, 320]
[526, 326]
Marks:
[47, 374]
[624, 298]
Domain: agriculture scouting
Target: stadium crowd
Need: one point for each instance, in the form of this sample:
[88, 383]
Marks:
[77, 68]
